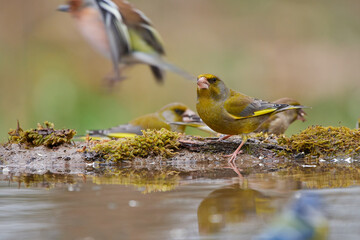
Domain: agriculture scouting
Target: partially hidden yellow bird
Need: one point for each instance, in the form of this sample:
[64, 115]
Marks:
[173, 112]
[122, 33]
[278, 123]
[228, 112]
[194, 121]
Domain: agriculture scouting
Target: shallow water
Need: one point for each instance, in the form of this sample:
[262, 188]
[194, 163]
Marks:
[166, 205]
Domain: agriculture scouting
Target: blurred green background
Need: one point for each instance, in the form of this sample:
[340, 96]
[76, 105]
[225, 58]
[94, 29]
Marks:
[307, 50]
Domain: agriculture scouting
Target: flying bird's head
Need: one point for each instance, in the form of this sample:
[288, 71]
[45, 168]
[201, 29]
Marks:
[73, 6]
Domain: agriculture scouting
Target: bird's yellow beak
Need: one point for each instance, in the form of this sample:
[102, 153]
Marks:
[190, 116]
[203, 83]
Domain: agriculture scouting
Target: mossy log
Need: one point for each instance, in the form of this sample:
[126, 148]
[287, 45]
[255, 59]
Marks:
[322, 147]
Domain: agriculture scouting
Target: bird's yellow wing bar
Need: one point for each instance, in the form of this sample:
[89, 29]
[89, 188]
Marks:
[121, 135]
[257, 113]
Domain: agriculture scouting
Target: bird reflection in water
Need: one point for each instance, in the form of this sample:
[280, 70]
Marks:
[231, 204]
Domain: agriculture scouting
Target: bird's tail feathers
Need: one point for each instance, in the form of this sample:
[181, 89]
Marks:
[97, 132]
[158, 74]
[156, 61]
[116, 131]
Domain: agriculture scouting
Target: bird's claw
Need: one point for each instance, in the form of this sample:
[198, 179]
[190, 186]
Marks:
[233, 155]
[111, 80]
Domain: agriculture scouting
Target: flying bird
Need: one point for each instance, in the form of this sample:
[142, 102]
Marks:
[122, 33]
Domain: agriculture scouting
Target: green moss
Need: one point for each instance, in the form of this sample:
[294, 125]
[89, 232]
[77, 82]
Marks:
[43, 135]
[151, 143]
[324, 142]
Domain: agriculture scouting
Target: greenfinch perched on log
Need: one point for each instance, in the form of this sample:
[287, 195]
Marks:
[229, 112]
[278, 123]
[173, 112]
[122, 33]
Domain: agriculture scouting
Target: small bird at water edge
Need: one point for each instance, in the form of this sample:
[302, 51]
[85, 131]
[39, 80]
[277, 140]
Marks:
[173, 112]
[279, 123]
[229, 112]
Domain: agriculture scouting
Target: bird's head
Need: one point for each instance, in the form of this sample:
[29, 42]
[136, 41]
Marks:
[211, 86]
[72, 6]
[175, 112]
[301, 115]
[297, 114]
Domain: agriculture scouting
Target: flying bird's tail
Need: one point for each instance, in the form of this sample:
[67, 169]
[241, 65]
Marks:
[157, 63]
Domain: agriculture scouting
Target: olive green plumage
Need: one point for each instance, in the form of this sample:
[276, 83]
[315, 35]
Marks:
[229, 112]
[173, 112]
[279, 123]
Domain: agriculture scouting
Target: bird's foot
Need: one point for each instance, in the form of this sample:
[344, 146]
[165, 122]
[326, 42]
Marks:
[111, 80]
[233, 155]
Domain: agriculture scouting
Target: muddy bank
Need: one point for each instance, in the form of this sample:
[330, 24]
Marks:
[201, 155]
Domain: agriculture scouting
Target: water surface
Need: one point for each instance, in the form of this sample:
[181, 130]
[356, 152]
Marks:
[167, 205]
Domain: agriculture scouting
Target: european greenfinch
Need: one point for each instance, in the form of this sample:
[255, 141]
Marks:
[173, 112]
[122, 33]
[358, 123]
[228, 112]
[278, 123]
[194, 121]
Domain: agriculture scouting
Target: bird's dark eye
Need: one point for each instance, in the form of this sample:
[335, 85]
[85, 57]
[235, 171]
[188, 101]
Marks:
[212, 80]
[179, 111]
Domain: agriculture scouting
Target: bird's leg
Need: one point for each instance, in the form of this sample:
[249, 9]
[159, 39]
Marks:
[237, 151]
[111, 79]
[224, 137]
[114, 77]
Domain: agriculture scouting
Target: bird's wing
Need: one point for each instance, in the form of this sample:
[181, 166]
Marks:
[117, 32]
[144, 38]
[150, 121]
[141, 26]
[241, 106]
[135, 39]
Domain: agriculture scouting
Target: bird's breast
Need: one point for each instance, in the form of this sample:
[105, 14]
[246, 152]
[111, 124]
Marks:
[91, 26]
[216, 117]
